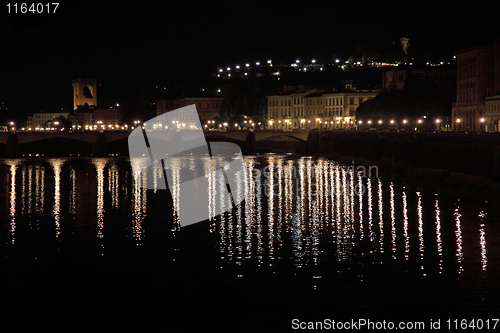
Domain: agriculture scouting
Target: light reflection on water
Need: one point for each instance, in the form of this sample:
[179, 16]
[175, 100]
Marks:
[312, 214]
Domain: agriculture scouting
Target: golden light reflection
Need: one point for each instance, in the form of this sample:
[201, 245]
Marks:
[30, 187]
[224, 240]
[381, 215]
[175, 168]
[352, 196]
[56, 165]
[38, 197]
[279, 224]
[289, 194]
[249, 208]
[209, 166]
[269, 178]
[318, 205]
[482, 240]
[420, 229]
[72, 201]
[315, 234]
[338, 192]
[258, 217]
[405, 223]
[370, 207]
[12, 200]
[298, 218]
[326, 192]
[438, 234]
[360, 198]
[393, 220]
[331, 193]
[458, 237]
[318, 189]
[346, 202]
[113, 185]
[41, 199]
[100, 164]
[23, 190]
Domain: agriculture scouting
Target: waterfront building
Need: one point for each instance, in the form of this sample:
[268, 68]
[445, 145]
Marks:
[82, 117]
[207, 107]
[317, 109]
[491, 119]
[475, 84]
[44, 119]
[108, 118]
[340, 107]
[492, 102]
[313, 109]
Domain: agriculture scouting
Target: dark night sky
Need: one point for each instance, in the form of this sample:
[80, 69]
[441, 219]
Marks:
[140, 43]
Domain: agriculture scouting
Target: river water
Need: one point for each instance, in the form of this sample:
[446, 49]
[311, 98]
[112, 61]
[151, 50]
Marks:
[84, 245]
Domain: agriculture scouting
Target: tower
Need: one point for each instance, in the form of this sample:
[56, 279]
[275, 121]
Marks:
[84, 91]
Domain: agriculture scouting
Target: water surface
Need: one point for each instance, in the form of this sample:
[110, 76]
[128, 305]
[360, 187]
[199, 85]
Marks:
[314, 239]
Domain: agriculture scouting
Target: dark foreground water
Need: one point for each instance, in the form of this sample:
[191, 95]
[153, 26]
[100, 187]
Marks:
[85, 249]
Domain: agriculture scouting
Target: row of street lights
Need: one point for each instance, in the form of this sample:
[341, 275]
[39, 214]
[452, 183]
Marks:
[246, 124]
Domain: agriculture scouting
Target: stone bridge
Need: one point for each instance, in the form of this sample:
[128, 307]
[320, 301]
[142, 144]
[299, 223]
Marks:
[247, 140]
[61, 143]
[94, 143]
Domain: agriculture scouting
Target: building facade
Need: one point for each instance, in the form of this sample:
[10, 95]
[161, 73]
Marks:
[491, 120]
[207, 107]
[109, 118]
[317, 109]
[43, 120]
[475, 84]
[393, 79]
[84, 92]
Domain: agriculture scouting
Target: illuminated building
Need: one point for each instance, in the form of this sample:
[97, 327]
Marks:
[40, 119]
[108, 117]
[475, 83]
[84, 92]
[207, 107]
[316, 109]
[491, 119]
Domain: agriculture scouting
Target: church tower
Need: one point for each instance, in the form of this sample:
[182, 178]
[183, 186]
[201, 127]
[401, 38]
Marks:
[84, 91]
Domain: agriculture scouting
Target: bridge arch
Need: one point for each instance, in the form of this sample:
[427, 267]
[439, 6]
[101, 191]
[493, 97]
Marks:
[247, 140]
[55, 146]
